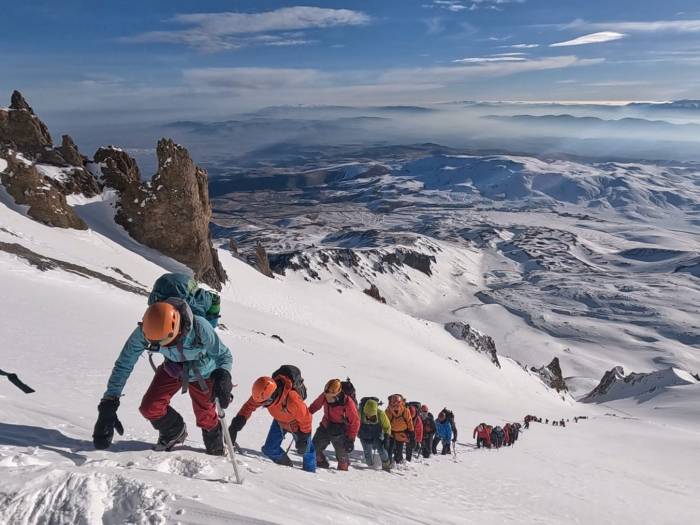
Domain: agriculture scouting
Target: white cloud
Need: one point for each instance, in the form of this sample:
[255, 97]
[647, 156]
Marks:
[454, 74]
[483, 60]
[457, 6]
[212, 32]
[678, 26]
[524, 46]
[593, 38]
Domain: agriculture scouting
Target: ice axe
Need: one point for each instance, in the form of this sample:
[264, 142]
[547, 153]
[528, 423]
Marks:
[17, 382]
[227, 439]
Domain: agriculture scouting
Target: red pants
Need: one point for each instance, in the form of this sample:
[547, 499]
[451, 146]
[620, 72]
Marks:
[163, 387]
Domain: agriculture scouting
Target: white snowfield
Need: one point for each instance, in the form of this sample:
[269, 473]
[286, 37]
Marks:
[62, 332]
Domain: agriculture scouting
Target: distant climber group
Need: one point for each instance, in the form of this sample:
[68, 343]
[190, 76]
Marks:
[179, 324]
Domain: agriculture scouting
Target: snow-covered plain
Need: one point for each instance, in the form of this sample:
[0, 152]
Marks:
[62, 332]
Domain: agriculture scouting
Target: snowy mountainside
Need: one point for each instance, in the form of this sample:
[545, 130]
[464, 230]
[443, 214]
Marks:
[616, 385]
[53, 475]
[585, 258]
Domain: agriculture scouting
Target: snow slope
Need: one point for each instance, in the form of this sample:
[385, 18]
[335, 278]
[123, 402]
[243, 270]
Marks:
[62, 332]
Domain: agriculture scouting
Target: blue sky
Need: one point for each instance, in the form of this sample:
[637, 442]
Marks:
[219, 57]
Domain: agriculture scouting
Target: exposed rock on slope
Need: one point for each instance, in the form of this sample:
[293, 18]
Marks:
[552, 375]
[27, 187]
[171, 212]
[475, 339]
[373, 292]
[22, 129]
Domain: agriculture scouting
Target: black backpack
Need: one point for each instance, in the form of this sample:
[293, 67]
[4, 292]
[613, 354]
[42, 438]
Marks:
[294, 375]
[349, 389]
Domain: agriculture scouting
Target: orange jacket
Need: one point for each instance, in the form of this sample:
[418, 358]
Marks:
[289, 410]
[401, 422]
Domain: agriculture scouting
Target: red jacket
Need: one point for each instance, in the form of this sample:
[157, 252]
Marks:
[289, 410]
[483, 433]
[418, 428]
[344, 412]
[506, 434]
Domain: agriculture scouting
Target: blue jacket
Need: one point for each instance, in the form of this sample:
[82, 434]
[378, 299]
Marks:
[204, 348]
[444, 430]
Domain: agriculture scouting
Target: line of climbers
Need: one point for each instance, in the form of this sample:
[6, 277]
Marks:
[179, 324]
[488, 436]
[556, 423]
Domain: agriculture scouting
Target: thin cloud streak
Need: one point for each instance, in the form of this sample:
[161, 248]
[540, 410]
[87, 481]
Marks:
[593, 38]
[214, 32]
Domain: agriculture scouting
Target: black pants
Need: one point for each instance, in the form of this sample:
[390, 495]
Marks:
[427, 446]
[323, 437]
[395, 450]
[481, 442]
[436, 440]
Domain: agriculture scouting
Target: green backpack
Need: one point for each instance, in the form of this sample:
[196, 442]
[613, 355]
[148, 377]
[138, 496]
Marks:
[202, 302]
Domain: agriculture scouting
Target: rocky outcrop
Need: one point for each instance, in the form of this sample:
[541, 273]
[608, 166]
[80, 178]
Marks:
[171, 212]
[69, 152]
[23, 132]
[552, 376]
[610, 378]
[478, 341]
[641, 386]
[262, 262]
[21, 129]
[117, 169]
[45, 203]
[373, 292]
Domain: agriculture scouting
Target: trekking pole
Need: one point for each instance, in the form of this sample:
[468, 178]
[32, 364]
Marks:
[227, 439]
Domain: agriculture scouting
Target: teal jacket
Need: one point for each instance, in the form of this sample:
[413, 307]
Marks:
[201, 345]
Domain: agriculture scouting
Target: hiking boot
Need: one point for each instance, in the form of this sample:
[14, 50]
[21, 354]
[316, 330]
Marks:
[171, 430]
[214, 441]
[166, 443]
[386, 466]
[284, 460]
[322, 461]
[343, 465]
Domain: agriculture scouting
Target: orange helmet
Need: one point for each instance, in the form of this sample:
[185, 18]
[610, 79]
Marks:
[333, 387]
[264, 390]
[161, 323]
[395, 400]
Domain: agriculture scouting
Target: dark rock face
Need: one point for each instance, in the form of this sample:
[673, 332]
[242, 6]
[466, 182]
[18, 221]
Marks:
[416, 260]
[478, 341]
[262, 261]
[22, 129]
[552, 376]
[27, 187]
[610, 377]
[373, 292]
[69, 152]
[171, 212]
[119, 170]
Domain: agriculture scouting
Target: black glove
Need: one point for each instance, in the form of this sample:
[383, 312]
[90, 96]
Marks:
[221, 387]
[237, 424]
[411, 436]
[301, 440]
[349, 445]
[107, 423]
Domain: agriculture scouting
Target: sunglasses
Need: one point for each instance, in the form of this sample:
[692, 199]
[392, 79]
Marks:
[168, 339]
[272, 398]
